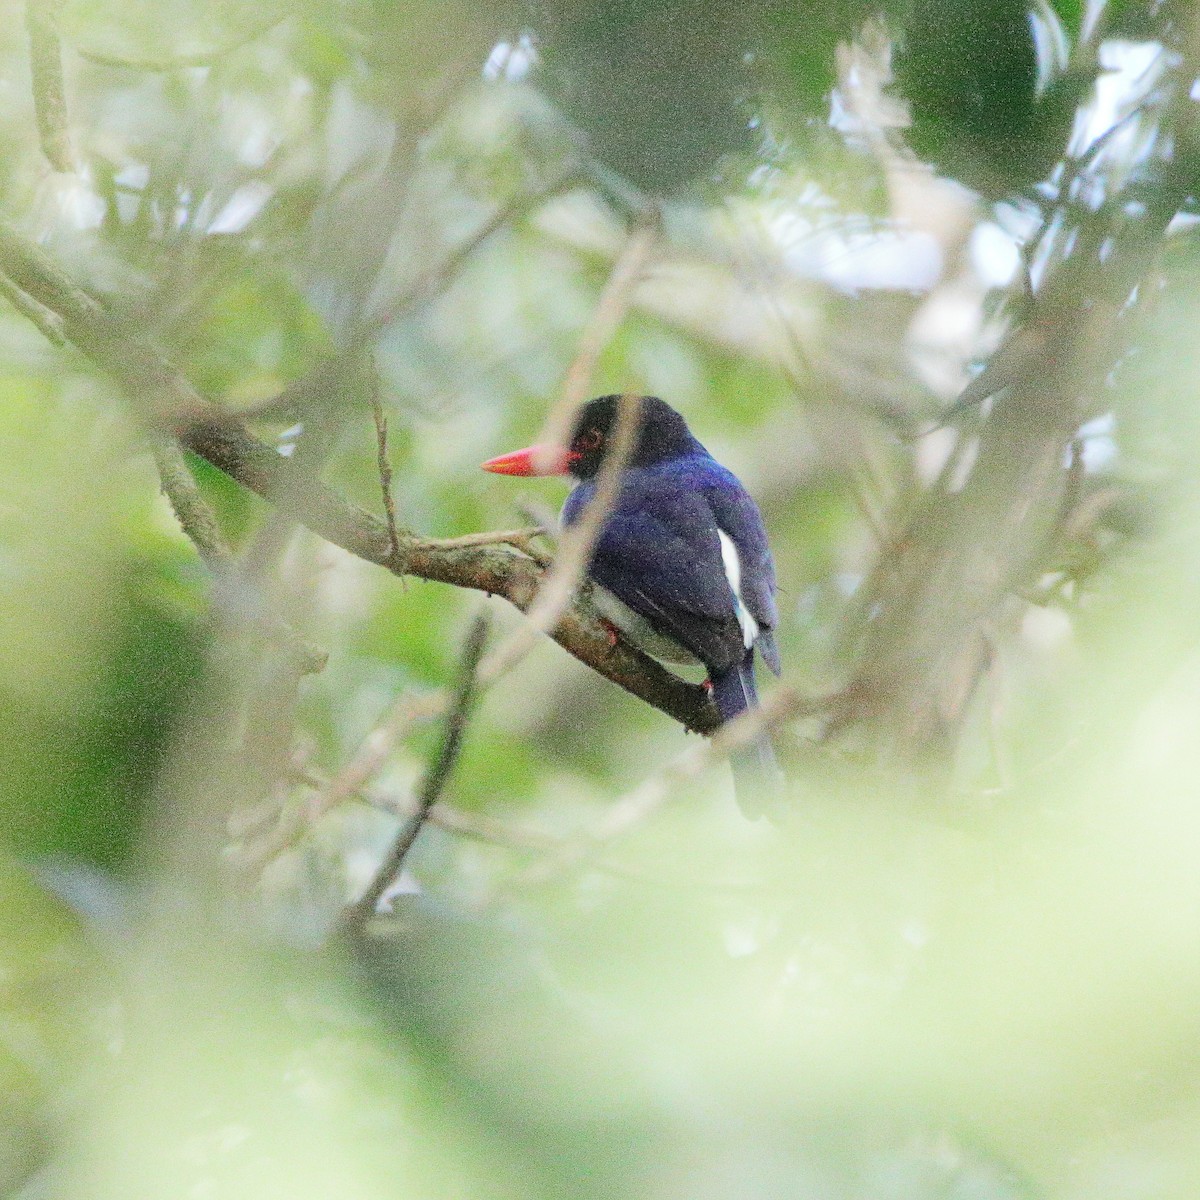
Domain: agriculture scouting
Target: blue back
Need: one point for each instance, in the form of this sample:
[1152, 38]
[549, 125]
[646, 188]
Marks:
[659, 553]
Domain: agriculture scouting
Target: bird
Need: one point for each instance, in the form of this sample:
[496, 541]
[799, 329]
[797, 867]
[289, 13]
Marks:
[681, 564]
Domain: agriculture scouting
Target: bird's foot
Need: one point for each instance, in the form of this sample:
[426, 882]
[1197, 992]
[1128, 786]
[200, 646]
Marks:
[611, 631]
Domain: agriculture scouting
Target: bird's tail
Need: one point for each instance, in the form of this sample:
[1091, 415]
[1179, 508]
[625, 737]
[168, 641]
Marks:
[756, 772]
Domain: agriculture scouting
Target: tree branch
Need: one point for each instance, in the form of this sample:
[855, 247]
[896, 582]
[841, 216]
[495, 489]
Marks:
[198, 521]
[49, 94]
[432, 782]
[194, 514]
[166, 401]
[181, 62]
[48, 324]
[637, 806]
[937, 589]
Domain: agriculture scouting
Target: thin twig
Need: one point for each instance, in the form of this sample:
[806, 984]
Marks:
[49, 94]
[635, 807]
[351, 780]
[183, 61]
[615, 299]
[311, 388]
[434, 281]
[385, 472]
[478, 826]
[542, 516]
[433, 781]
[491, 831]
[252, 856]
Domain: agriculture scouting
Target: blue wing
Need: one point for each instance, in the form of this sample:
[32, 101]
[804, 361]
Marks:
[659, 552]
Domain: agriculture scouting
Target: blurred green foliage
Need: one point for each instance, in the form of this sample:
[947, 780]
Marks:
[979, 110]
[893, 990]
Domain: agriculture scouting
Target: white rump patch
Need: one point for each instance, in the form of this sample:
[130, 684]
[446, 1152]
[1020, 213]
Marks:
[733, 572]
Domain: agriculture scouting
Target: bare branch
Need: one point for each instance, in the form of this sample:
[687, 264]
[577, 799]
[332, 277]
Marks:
[635, 807]
[606, 318]
[48, 323]
[182, 61]
[435, 281]
[164, 399]
[554, 594]
[199, 522]
[492, 569]
[433, 781]
[49, 94]
[521, 539]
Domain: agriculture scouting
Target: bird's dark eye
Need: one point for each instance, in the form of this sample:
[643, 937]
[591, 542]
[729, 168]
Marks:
[588, 440]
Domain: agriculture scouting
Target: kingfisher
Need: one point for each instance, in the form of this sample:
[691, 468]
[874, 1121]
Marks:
[681, 564]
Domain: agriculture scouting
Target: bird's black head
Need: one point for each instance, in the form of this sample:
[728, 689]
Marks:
[661, 434]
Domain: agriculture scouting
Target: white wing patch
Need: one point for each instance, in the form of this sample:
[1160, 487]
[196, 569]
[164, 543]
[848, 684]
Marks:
[733, 572]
